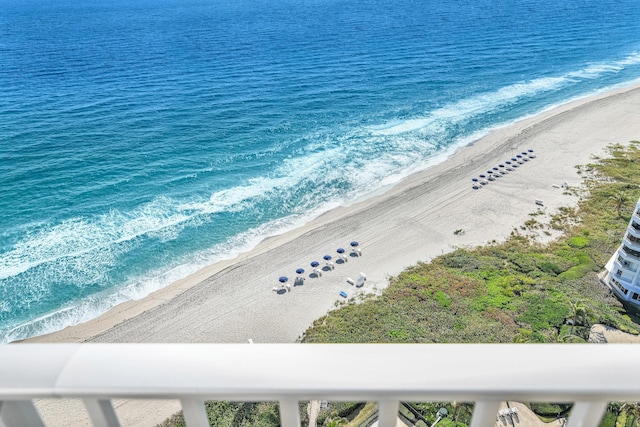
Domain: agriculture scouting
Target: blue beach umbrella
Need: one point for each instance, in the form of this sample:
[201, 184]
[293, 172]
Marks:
[300, 270]
[495, 168]
[508, 162]
[354, 243]
[474, 179]
[524, 153]
[340, 250]
[530, 150]
[314, 263]
[482, 176]
[489, 171]
[514, 159]
[283, 279]
[327, 257]
[501, 165]
[518, 156]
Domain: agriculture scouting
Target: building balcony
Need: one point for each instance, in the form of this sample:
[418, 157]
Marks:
[626, 264]
[627, 250]
[623, 275]
[589, 375]
[633, 232]
[626, 279]
[631, 241]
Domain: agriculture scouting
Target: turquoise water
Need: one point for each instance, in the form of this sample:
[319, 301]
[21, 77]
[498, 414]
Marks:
[141, 140]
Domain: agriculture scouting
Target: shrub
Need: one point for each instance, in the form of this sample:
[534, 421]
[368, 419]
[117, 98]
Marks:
[443, 299]
[578, 242]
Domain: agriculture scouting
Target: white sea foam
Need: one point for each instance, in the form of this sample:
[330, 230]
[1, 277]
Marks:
[476, 105]
[486, 102]
[136, 288]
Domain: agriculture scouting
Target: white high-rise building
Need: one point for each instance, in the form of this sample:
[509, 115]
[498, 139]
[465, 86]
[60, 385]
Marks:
[621, 273]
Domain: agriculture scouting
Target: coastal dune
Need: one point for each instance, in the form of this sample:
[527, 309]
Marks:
[427, 214]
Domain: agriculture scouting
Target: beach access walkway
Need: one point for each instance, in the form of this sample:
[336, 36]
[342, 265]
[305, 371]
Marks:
[524, 417]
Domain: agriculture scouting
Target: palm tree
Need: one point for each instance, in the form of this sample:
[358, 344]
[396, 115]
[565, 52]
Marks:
[631, 408]
[620, 199]
[461, 409]
[580, 315]
[561, 336]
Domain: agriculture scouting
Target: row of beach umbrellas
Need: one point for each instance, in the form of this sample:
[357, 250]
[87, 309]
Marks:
[502, 168]
[354, 245]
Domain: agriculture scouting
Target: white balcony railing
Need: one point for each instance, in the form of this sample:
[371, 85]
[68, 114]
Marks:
[631, 242]
[625, 263]
[590, 375]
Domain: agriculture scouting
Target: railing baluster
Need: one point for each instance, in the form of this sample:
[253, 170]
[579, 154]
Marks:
[289, 413]
[195, 414]
[485, 414]
[388, 413]
[101, 413]
[586, 414]
[19, 413]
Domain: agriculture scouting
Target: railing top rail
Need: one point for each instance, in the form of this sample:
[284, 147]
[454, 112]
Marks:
[548, 372]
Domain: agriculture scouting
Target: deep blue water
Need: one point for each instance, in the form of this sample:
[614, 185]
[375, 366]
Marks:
[140, 140]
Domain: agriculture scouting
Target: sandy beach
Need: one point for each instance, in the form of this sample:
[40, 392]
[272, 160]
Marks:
[414, 221]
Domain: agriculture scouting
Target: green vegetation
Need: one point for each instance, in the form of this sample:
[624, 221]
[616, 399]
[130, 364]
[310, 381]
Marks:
[338, 412]
[516, 291]
[240, 414]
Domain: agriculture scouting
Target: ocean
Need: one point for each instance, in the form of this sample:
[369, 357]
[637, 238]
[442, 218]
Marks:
[142, 140]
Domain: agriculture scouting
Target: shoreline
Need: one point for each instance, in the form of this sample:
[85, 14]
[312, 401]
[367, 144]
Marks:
[414, 221]
[464, 163]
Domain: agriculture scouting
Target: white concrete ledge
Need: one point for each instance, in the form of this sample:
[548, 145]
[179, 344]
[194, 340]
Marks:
[411, 372]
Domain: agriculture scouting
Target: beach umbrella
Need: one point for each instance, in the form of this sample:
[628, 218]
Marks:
[514, 159]
[530, 150]
[495, 168]
[518, 156]
[524, 153]
[314, 263]
[501, 165]
[300, 270]
[340, 250]
[354, 243]
[482, 176]
[489, 171]
[474, 179]
[283, 279]
[327, 257]
[508, 162]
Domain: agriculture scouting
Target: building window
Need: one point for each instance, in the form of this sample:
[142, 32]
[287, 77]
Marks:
[619, 286]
